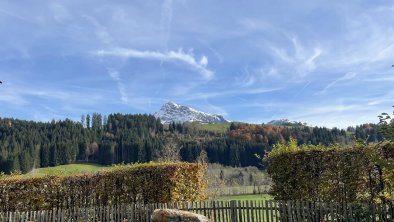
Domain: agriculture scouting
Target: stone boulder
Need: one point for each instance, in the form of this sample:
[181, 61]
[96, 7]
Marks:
[172, 215]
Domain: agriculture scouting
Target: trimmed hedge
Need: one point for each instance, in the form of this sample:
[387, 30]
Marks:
[362, 173]
[148, 183]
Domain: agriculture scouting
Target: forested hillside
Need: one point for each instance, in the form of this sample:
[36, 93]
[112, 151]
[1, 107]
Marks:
[119, 138]
[270, 135]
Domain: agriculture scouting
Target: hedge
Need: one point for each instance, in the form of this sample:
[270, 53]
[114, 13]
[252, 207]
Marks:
[148, 183]
[353, 174]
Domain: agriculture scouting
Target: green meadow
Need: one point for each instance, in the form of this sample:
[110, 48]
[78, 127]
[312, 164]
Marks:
[69, 169]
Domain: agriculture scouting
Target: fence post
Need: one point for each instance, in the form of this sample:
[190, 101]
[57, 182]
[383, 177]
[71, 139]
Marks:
[233, 211]
[282, 211]
[290, 210]
[214, 210]
[373, 212]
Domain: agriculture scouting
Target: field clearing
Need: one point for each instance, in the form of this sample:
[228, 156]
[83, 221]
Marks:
[244, 197]
[70, 169]
[218, 128]
[240, 190]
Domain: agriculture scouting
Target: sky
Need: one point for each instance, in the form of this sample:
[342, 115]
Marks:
[326, 63]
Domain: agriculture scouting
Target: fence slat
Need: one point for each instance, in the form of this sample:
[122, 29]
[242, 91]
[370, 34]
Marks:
[218, 211]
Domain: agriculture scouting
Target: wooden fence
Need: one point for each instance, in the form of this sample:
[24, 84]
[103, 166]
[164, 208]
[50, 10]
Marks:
[239, 190]
[217, 211]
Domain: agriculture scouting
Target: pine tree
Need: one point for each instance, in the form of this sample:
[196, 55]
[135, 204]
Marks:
[88, 121]
[83, 120]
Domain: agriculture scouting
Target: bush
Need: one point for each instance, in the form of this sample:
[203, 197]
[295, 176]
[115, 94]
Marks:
[148, 183]
[339, 174]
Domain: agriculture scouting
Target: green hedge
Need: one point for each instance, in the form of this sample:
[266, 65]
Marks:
[360, 173]
[148, 183]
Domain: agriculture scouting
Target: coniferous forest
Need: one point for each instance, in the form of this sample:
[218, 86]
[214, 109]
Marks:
[119, 138]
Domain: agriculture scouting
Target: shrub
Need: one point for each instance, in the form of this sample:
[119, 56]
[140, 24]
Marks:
[148, 183]
[340, 174]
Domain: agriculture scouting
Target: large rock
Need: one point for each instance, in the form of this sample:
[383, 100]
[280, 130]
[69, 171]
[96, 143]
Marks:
[171, 215]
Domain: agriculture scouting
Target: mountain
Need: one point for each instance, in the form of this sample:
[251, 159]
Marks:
[285, 122]
[172, 112]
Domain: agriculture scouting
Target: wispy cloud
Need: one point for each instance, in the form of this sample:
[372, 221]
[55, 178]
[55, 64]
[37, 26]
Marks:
[335, 114]
[100, 30]
[166, 20]
[170, 56]
[246, 79]
[347, 76]
[255, 24]
[215, 52]
[349, 51]
[71, 94]
[60, 13]
[213, 108]
[302, 60]
[166, 13]
[115, 75]
[226, 93]
[379, 78]
[14, 15]
[302, 89]
[269, 72]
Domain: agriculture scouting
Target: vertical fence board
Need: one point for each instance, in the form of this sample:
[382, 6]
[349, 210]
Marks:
[271, 211]
[218, 211]
[265, 210]
[258, 206]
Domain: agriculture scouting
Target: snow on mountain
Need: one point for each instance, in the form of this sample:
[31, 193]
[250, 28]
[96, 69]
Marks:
[172, 112]
[279, 122]
[284, 122]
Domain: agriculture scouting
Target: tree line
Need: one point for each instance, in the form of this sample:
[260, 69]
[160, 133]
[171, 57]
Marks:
[120, 138]
[271, 135]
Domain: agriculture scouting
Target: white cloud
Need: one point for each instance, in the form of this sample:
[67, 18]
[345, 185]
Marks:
[166, 12]
[20, 95]
[114, 74]
[173, 56]
[212, 108]
[60, 13]
[215, 52]
[204, 61]
[382, 78]
[339, 116]
[367, 43]
[17, 16]
[247, 78]
[166, 20]
[226, 93]
[301, 60]
[302, 89]
[252, 24]
[100, 30]
[347, 76]
[13, 98]
[269, 72]
[309, 64]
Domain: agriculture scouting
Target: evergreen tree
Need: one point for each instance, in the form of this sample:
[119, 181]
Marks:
[88, 121]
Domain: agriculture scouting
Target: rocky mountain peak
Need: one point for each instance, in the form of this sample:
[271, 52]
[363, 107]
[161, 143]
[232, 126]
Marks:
[173, 112]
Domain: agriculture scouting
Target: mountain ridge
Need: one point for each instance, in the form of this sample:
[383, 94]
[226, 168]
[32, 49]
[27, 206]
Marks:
[285, 122]
[173, 112]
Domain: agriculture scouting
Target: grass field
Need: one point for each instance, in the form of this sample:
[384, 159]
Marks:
[69, 169]
[239, 190]
[220, 128]
[245, 197]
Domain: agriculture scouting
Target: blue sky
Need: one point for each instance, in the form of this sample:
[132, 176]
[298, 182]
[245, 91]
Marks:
[324, 63]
